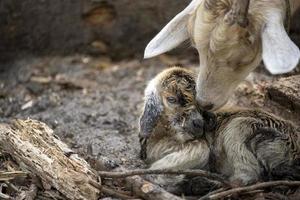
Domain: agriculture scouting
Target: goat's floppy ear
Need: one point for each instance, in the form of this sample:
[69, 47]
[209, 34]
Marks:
[280, 54]
[173, 34]
[152, 111]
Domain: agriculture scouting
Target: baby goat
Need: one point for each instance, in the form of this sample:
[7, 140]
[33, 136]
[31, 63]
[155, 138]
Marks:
[244, 145]
[169, 97]
[165, 144]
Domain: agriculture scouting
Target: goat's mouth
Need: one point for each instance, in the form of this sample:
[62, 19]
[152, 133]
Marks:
[195, 132]
[189, 124]
[212, 104]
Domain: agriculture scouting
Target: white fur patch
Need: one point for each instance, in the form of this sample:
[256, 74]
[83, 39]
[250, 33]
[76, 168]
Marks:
[191, 156]
[280, 54]
[173, 34]
[151, 87]
[152, 93]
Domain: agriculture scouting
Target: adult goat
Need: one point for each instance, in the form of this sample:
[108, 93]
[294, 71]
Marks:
[232, 37]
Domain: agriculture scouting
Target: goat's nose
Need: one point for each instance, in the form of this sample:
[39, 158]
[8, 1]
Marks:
[205, 105]
[197, 123]
[209, 106]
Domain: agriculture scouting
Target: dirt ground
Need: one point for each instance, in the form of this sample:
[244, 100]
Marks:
[93, 104]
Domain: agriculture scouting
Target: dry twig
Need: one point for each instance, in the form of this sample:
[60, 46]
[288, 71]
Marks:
[148, 190]
[7, 176]
[212, 193]
[217, 177]
[12, 186]
[138, 185]
[257, 186]
[110, 192]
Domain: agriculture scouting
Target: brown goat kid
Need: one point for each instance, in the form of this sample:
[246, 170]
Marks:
[231, 37]
[169, 97]
[244, 145]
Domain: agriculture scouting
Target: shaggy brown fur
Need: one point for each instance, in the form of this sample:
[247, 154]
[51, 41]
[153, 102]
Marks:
[169, 99]
[175, 94]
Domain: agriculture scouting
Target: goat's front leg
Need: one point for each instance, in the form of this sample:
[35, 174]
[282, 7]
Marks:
[194, 154]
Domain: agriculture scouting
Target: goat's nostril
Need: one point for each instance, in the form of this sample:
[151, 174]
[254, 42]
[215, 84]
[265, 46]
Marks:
[197, 123]
[208, 106]
[205, 105]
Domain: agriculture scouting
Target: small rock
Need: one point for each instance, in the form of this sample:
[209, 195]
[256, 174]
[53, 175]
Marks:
[35, 88]
[27, 105]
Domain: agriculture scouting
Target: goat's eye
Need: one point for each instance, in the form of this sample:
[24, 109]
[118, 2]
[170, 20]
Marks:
[171, 100]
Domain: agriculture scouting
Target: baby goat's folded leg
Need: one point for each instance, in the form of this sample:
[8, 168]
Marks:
[242, 163]
[194, 154]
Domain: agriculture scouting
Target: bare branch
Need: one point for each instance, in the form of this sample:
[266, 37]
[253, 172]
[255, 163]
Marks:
[110, 192]
[202, 173]
[212, 193]
[149, 191]
[257, 186]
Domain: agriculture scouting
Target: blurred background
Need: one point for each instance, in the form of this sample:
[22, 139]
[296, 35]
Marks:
[118, 28]
[77, 66]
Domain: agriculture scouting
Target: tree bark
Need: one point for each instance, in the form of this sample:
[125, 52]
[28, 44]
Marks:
[37, 150]
[286, 92]
[33, 145]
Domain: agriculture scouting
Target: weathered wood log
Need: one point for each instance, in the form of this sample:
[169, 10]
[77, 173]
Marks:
[28, 195]
[149, 191]
[136, 184]
[34, 146]
[286, 92]
[37, 150]
[7, 176]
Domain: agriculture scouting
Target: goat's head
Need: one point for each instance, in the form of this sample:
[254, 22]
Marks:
[167, 97]
[229, 51]
[170, 99]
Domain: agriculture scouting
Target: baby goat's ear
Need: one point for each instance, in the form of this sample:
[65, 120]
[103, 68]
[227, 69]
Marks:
[173, 34]
[280, 54]
[152, 111]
